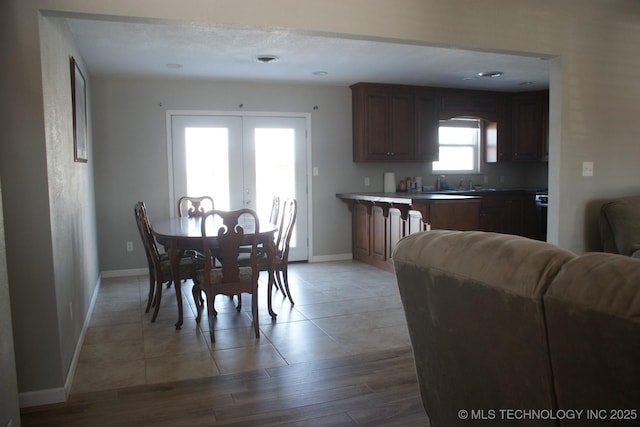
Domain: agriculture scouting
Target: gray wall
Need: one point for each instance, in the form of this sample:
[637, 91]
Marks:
[131, 144]
[9, 409]
[71, 189]
[592, 117]
[49, 208]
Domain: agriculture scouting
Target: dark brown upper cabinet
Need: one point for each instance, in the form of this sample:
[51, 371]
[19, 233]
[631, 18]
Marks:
[484, 105]
[528, 129]
[394, 123]
[397, 123]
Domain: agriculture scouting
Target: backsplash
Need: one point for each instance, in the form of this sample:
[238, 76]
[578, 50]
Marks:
[507, 175]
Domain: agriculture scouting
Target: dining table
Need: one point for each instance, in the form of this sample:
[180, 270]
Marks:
[185, 233]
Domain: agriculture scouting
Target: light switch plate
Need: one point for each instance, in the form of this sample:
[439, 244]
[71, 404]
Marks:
[587, 168]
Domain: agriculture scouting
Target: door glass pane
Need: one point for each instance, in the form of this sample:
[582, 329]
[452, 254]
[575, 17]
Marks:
[207, 161]
[275, 168]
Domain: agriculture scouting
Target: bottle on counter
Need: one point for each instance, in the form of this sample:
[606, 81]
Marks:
[417, 184]
[409, 184]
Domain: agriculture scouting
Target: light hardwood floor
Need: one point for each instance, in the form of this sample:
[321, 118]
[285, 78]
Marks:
[340, 356]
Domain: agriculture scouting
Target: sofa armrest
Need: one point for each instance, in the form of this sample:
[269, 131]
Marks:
[620, 226]
[473, 304]
[593, 321]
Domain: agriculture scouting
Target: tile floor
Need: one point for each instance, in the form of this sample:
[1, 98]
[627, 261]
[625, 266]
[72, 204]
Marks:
[342, 308]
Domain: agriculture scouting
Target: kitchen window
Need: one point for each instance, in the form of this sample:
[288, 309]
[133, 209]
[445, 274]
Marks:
[459, 141]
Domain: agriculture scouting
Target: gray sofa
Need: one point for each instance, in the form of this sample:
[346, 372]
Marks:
[520, 332]
[620, 226]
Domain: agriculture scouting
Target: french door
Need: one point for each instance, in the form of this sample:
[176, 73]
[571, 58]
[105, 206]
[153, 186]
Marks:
[243, 161]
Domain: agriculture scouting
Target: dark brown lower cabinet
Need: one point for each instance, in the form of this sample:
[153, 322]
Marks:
[378, 227]
[510, 213]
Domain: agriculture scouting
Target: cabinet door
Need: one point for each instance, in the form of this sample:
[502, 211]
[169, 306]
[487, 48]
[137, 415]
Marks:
[376, 124]
[521, 214]
[401, 136]
[493, 214]
[426, 125]
[545, 127]
[360, 231]
[378, 234]
[468, 103]
[455, 215]
[527, 125]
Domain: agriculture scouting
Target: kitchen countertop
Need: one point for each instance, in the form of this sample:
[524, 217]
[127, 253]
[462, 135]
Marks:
[405, 198]
[452, 194]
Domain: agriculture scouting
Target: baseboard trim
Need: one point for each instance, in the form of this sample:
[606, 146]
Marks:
[125, 273]
[328, 258]
[76, 354]
[42, 397]
[61, 394]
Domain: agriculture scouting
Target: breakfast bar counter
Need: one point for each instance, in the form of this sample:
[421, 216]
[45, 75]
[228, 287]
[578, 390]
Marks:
[402, 198]
[380, 220]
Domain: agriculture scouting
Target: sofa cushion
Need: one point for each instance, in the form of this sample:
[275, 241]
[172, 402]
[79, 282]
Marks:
[593, 320]
[473, 303]
[620, 226]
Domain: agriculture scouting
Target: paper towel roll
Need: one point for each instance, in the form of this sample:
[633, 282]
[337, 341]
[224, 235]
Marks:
[389, 182]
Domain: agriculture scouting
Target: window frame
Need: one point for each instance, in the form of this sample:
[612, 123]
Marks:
[464, 122]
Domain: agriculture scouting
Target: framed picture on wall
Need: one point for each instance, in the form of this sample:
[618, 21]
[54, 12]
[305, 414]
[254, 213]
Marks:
[79, 106]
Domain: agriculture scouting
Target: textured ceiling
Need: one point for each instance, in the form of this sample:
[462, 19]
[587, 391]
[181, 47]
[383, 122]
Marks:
[144, 49]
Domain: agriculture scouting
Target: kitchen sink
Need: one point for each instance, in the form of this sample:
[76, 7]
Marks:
[457, 191]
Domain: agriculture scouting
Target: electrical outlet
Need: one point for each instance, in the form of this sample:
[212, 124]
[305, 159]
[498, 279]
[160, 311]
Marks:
[367, 181]
[587, 168]
[315, 171]
[129, 246]
[485, 179]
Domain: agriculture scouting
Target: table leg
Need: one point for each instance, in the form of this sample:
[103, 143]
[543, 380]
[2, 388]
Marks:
[270, 249]
[174, 259]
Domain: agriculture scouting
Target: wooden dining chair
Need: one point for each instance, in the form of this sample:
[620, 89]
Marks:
[194, 206]
[289, 210]
[275, 210]
[229, 278]
[158, 263]
[283, 242]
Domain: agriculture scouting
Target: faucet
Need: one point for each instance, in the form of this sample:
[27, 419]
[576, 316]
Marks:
[443, 183]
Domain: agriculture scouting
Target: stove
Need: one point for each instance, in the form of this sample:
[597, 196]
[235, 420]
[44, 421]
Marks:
[542, 203]
[542, 199]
